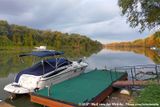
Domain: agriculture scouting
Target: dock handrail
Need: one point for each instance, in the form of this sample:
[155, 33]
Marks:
[140, 72]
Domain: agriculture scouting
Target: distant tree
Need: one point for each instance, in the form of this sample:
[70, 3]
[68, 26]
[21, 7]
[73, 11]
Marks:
[30, 39]
[47, 36]
[15, 35]
[157, 39]
[141, 13]
[4, 41]
[4, 28]
[58, 38]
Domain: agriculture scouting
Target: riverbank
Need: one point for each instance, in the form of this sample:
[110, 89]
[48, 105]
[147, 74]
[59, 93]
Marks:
[5, 104]
[116, 98]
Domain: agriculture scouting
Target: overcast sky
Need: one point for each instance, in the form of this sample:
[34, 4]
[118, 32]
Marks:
[98, 19]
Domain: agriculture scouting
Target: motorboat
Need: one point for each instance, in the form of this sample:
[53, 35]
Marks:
[153, 48]
[40, 48]
[50, 70]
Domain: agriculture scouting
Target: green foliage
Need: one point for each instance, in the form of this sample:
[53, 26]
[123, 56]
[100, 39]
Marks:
[4, 28]
[4, 41]
[151, 94]
[23, 36]
[141, 13]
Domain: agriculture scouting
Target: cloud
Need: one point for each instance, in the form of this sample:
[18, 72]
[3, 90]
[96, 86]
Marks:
[108, 31]
[13, 7]
[56, 12]
[98, 19]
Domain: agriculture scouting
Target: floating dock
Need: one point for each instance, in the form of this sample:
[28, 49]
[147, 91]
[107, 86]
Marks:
[87, 88]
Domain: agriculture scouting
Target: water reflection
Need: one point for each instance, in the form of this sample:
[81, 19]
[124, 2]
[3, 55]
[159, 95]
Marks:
[116, 58]
[153, 55]
[11, 63]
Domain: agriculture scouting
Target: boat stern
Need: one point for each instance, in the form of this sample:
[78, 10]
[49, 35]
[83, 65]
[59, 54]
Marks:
[16, 89]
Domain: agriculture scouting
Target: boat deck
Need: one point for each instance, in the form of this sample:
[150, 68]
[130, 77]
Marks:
[85, 88]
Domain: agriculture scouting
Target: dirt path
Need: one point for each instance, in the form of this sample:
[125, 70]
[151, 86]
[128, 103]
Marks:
[119, 100]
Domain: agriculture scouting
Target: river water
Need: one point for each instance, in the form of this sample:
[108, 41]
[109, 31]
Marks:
[110, 58]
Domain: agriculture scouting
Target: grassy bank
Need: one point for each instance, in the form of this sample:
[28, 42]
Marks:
[150, 95]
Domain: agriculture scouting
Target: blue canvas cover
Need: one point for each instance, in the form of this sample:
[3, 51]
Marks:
[42, 53]
[37, 69]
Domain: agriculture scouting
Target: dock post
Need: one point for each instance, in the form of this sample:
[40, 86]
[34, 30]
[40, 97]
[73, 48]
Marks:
[116, 72]
[134, 71]
[105, 67]
[132, 76]
[157, 74]
[48, 87]
[127, 72]
[111, 75]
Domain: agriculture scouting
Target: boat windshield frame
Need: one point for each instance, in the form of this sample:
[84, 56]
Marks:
[42, 55]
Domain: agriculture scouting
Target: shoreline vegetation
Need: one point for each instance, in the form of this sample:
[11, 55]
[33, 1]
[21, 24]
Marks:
[14, 36]
[151, 41]
[142, 46]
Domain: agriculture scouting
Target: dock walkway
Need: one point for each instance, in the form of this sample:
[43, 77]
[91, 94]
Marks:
[93, 86]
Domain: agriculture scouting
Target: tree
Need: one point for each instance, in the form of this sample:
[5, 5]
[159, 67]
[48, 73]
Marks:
[141, 13]
[58, 39]
[4, 28]
[4, 41]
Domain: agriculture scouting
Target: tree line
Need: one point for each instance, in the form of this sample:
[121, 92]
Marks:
[151, 41]
[15, 35]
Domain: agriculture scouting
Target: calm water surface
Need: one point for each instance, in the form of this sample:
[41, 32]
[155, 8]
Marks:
[10, 65]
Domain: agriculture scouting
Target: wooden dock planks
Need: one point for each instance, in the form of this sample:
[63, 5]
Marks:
[48, 102]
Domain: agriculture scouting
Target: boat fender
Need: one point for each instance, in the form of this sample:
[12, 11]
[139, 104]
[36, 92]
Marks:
[125, 92]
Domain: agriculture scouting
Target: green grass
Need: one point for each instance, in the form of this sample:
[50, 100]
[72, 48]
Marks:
[151, 94]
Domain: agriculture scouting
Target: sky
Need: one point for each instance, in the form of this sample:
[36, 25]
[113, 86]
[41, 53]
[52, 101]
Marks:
[98, 19]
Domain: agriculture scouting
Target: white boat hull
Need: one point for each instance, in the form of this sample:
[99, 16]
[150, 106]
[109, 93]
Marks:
[30, 83]
[16, 89]
[59, 78]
